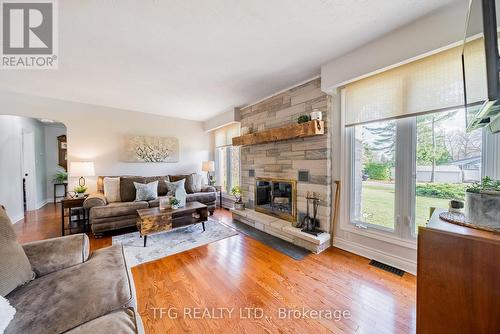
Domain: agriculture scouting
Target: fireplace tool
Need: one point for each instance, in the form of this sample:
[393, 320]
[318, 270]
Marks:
[311, 223]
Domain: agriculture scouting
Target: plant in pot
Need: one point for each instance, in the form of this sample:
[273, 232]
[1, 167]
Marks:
[60, 177]
[175, 203]
[238, 203]
[80, 191]
[483, 203]
[303, 119]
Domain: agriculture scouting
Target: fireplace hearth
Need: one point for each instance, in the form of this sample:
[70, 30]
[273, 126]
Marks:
[276, 197]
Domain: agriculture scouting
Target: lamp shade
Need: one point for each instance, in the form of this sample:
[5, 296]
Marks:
[80, 168]
[208, 166]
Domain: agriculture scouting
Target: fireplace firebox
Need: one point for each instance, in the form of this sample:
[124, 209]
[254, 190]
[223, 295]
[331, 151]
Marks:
[276, 197]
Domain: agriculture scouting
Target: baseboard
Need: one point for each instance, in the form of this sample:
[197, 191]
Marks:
[41, 204]
[17, 219]
[371, 253]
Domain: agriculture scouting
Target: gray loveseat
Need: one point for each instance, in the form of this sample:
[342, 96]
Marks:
[106, 216]
[72, 292]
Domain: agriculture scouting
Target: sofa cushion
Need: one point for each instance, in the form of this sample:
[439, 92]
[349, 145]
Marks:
[162, 187]
[146, 192]
[7, 313]
[201, 197]
[197, 183]
[188, 183]
[127, 188]
[117, 209]
[70, 297]
[111, 187]
[121, 321]
[15, 268]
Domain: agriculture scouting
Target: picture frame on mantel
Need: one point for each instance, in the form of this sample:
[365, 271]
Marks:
[151, 149]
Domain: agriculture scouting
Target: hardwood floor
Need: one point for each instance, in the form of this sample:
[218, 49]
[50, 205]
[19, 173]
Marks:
[221, 280]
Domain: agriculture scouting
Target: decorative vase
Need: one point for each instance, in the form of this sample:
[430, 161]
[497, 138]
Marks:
[316, 115]
[175, 206]
[239, 205]
[79, 195]
[483, 209]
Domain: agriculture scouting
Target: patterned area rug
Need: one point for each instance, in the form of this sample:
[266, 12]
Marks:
[164, 244]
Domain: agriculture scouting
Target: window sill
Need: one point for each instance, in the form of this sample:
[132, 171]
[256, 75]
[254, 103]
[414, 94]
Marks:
[380, 235]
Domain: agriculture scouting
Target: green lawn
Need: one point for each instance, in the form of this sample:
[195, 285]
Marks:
[378, 204]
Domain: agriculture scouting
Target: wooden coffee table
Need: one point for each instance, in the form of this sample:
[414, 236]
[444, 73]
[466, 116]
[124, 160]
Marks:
[154, 220]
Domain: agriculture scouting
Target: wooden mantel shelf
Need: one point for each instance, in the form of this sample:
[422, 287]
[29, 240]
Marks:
[309, 129]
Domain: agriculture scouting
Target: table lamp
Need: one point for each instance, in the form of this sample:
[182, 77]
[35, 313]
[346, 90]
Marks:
[208, 166]
[81, 169]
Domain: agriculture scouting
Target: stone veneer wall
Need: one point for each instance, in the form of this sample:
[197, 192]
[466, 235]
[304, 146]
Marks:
[285, 159]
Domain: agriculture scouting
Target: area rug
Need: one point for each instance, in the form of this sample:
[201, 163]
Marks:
[175, 241]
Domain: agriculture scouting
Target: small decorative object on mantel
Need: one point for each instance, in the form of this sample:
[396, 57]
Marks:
[238, 203]
[316, 115]
[309, 223]
[244, 130]
[303, 119]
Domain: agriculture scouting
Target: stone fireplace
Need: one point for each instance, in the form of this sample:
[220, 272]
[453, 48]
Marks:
[276, 176]
[276, 197]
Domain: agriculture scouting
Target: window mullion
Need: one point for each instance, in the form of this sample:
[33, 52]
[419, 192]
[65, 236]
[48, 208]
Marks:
[405, 167]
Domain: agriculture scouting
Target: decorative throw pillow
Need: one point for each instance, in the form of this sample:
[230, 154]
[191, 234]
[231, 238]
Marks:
[197, 183]
[188, 185]
[171, 186]
[146, 192]
[7, 313]
[15, 268]
[112, 189]
[178, 191]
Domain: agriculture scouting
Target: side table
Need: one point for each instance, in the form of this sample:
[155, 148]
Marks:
[55, 191]
[219, 190]
[73, 204]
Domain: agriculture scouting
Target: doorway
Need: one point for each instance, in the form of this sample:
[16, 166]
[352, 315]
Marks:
[28, 170]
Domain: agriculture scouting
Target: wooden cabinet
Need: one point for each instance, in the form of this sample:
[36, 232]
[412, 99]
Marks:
[458, 279]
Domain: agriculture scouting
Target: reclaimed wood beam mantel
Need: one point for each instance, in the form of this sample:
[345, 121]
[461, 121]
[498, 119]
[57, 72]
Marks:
[308, 129]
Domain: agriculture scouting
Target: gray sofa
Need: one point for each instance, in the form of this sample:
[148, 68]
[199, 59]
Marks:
[106, 216]
[72, 292]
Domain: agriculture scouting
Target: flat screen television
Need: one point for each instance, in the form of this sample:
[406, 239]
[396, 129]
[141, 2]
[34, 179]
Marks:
[481, 67]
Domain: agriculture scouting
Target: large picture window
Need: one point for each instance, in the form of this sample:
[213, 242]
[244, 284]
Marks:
[227, 166]
[401, 169]
[227, 157]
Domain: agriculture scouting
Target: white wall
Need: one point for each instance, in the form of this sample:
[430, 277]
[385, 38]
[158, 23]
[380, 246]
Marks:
[52, 158]
[431, 32]
[94, 133]
[11, 130]
[222, 119]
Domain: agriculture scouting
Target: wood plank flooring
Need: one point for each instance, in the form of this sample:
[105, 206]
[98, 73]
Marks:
[238, 285]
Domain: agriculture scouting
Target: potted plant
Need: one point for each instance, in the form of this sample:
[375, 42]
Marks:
[303, 119]
[80, 191]
[483, 203]
[60, 177]
[175, 203]
[238, 203]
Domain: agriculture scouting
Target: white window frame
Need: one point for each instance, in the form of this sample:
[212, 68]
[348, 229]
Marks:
[401, 235]
[404, 233]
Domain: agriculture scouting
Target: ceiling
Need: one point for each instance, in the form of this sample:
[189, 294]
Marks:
[194, 59]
